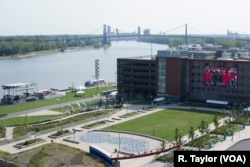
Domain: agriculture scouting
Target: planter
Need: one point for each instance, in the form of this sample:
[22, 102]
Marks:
[23, 145]
[55, 136]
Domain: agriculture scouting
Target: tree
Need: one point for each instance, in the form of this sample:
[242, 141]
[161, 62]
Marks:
[216, 122]
[36, 131]
[207, 129]
[203, 127]
[239, 110]
[163, 144]
[191, 134]
[178, 136]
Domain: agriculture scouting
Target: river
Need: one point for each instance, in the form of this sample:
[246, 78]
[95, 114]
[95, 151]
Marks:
[61, 70]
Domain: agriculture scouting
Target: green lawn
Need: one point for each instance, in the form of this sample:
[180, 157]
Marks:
[70, 96]
[162, 124]
[26, 120]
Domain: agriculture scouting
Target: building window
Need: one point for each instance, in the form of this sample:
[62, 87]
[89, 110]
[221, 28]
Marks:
[161, 75]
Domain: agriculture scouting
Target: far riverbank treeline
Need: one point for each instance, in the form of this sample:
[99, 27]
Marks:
[226, 43]
[20, 45]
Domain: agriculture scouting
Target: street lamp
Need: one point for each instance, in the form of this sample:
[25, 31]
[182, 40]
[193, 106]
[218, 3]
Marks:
[74, 131]
[153, 130]
[127, 109]
[119, 144]
[33, 105]
[130, 97]
[189, 122]
[180, 136]
[189, 131]
[108, 122]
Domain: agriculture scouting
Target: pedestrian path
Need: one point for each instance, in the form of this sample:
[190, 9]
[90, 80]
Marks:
[147, 161]
[9, 133]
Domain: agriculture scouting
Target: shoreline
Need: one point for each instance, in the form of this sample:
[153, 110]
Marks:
[46, 52]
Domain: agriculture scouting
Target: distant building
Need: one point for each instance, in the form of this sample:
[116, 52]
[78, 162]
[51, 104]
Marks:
[146, 32]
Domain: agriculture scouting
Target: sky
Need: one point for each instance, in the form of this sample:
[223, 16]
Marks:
[54, 17]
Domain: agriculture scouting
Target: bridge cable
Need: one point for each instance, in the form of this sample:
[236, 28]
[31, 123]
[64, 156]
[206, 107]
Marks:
[200, 33]
[93, 32]
[174, 29]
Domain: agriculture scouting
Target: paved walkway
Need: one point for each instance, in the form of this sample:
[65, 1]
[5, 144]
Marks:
[139, 162]
[9, 133]
[85, 146]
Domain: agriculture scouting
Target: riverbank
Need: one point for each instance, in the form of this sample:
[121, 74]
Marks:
[31, 54]
[47, 52]
[62, 69]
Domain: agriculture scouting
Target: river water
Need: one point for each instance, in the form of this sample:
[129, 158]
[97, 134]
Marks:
[61, 70]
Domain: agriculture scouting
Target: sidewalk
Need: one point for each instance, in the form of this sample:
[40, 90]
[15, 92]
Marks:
[231, 140]
[139, 162]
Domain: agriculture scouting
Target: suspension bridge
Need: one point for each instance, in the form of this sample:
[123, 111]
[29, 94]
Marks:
[114, 34]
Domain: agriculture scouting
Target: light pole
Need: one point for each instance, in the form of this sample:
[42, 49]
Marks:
[108, 122]
[127, 109]
[153, 130]
[33, 105]
[130, 97]
[74, 131]
[180, 141]
[116, 82]
[189, 131]
[119, 144]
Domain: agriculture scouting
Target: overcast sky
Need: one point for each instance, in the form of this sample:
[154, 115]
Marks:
[46, 17]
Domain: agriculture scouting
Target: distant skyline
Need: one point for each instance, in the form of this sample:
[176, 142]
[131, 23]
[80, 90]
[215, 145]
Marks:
[53, 17]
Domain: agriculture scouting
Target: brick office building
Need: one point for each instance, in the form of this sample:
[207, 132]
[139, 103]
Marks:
[188, 75]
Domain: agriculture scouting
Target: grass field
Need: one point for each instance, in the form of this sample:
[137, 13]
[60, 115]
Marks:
[162, 124]
[70, 96]
[22, 120]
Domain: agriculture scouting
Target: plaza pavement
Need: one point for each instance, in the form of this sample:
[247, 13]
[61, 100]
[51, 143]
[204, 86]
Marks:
[138, 162]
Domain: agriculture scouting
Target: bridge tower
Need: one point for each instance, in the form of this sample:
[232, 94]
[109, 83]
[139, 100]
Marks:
[186, 36]
[139, 33]
[104, 41]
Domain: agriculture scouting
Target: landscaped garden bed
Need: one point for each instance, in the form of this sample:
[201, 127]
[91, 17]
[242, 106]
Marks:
[2, 132]
[204, 142]
[227, 129]
[23, 130]
[167, 157]
[60, 133]
[98, 123]
[29, 143]
[130, 114]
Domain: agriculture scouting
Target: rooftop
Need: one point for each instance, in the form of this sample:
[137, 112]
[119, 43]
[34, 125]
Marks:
[207, 51]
